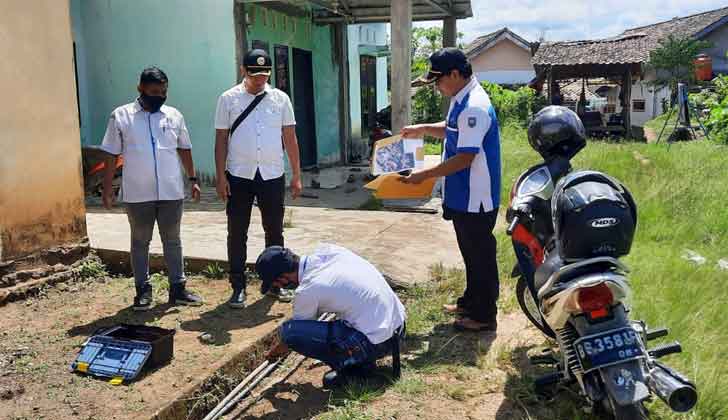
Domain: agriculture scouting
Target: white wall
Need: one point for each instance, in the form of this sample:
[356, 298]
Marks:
[511, 77]
[365, 34]
[653, 102]
[642, 90]
[719, 38]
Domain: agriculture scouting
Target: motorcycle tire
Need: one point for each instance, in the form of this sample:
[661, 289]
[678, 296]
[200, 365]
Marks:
[530, 308]
[629, 412]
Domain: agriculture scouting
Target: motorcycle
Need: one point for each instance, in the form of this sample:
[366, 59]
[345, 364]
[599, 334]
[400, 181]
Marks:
[94, 165]
[568, 231]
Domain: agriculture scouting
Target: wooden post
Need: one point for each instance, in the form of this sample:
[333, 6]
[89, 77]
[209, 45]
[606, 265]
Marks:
[449, 31]
[627, 102]
[342, 59]
[401, 27]
[449, 37]
[550, 85]
[241, 36]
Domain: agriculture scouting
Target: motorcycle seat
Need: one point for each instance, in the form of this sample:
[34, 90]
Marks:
[551, 265]
[554, 272]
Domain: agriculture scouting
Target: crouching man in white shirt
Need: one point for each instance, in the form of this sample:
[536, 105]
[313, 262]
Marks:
[370, 317]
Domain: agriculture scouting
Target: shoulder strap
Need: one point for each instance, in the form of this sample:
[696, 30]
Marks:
[247, 112]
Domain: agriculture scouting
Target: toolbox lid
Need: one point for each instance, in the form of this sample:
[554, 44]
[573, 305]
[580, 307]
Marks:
[112, 358]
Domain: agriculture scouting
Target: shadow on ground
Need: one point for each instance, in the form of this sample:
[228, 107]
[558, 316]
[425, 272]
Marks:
[521, 400]
[445, 346]
[223, 319]
[218, 321]
[304, 399]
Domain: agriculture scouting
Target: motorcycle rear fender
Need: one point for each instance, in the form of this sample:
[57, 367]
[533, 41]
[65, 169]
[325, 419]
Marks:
[625, 382]
[555, 307]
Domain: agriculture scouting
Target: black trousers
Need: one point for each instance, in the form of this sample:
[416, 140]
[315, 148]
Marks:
[477, 245]
[270, 196]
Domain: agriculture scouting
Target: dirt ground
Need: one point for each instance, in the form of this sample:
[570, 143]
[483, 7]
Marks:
[458, 376]
[40, 338]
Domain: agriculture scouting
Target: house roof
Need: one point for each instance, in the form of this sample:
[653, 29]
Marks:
[572, 91]
[484, 42]
[633, 46]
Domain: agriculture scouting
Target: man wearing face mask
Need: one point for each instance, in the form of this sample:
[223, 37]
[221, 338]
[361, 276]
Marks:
[254, 125]
[155, 144]
[471, 169]
[371, 318]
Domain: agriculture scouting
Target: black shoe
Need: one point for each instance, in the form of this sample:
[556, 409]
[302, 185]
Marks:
[143, 301]
[334, 379]
[178, 295]
[282, 295]
[237, 300]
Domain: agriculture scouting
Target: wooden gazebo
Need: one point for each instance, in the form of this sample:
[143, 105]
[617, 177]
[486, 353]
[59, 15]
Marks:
[620, 59]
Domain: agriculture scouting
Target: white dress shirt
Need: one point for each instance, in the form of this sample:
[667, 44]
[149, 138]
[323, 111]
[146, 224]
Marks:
[148, 142]
[334, 279]
[257, 143]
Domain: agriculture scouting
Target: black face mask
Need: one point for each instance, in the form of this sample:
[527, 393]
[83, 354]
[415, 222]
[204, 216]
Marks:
[290, 286]
[152, 102]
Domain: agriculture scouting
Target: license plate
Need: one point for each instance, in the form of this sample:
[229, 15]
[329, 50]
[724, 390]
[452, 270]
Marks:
[608, 348]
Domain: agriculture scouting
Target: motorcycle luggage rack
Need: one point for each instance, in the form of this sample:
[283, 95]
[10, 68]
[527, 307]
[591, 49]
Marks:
[570, 268]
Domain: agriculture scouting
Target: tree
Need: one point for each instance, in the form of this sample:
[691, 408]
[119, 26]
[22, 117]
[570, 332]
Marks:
[427, 101]
[426, 41]
[673, 61]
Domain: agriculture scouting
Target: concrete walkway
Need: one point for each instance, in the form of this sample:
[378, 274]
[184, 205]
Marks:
[402, 245]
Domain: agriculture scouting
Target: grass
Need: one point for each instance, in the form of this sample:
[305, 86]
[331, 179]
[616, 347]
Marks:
[410, 386]
[160, 283]
[214, 271]
[433, 146]
[288, 219]
[680, 191]
[351, 410]
[92, 269]
[373, 204]
[658, 122]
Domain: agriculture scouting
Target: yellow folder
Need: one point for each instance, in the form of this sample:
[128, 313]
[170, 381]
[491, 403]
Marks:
[389, 187]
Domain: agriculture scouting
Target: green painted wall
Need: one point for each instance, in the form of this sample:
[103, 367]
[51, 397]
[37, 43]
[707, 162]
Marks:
[193, 41]
[276, 28]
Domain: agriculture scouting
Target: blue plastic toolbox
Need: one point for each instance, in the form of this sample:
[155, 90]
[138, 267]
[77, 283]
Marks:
[123, 351]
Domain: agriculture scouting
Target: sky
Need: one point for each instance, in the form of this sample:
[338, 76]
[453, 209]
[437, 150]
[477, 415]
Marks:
[560, 20]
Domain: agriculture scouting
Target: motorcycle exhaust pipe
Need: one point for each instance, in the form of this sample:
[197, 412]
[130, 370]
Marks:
[672, 388]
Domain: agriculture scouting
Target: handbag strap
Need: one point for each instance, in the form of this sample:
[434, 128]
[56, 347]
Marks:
[247, 112]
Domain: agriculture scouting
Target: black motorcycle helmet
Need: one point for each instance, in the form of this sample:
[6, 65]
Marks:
[593, 214]
[556, 131]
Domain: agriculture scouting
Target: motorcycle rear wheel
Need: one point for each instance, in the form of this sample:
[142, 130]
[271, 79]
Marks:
[629, 412]
[530, 308]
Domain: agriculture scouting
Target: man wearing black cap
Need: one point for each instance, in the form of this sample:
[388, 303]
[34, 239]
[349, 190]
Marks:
[254, 123]
[471, 188]
[370, 317]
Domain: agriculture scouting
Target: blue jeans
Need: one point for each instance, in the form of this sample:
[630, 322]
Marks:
[335, 343]
[168, 216]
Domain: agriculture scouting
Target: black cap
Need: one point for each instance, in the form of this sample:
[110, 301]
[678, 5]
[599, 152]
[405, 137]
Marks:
[272, 262]
[257, 62]
[443, 62]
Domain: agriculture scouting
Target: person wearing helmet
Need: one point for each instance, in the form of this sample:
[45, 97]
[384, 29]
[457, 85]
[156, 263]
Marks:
[471, 193]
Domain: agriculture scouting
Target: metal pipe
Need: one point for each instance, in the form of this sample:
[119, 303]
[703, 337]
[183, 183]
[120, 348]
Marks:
[247, 390]
[672, 388]
[212, 414]
[250, 382]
